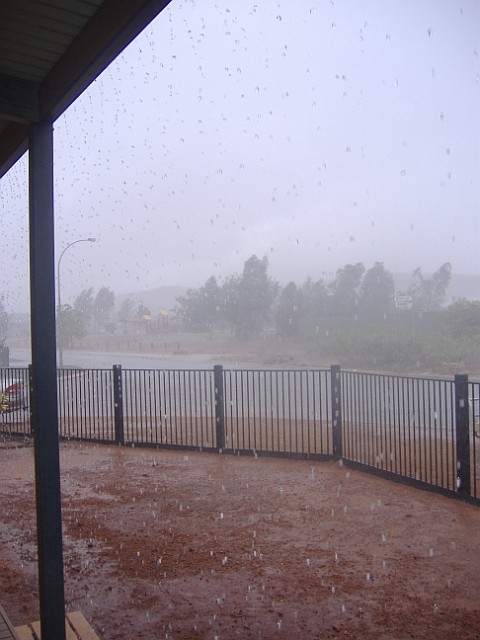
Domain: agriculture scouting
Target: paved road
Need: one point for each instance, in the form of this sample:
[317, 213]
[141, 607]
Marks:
[94, 360]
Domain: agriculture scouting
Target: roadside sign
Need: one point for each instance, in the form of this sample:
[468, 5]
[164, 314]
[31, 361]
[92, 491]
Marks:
[403, 301]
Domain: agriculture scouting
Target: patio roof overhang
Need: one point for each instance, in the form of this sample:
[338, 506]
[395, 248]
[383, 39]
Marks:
[50, 52]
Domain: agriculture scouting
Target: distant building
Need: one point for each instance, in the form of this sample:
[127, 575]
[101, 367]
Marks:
[146, 324]
[136, 326]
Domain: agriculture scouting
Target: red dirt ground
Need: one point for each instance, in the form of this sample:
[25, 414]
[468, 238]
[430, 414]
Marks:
[163, 544]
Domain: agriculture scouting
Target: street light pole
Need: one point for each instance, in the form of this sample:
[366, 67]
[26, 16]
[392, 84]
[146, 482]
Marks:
[59, 305]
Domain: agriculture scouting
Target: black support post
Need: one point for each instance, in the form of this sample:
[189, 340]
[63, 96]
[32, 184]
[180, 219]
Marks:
[462, 427]
[118, 404]
[44, 383]
[336, 398]
[219, 406]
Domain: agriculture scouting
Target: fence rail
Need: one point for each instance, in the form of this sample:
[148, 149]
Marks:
[420, 430]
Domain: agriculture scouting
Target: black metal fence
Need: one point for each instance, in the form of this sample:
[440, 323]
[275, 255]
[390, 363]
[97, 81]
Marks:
[277, 412]
[419, 430]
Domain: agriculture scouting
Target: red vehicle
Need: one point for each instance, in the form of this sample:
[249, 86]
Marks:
[14, 395]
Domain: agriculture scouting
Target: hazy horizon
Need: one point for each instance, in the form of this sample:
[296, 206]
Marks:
[163, 296]
[317, 135]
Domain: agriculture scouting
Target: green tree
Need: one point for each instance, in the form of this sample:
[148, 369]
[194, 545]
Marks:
[70, 325]
[314, 306]
[249, 298]
[83, 304]
[376, 292]
[344, 290]
[212, 303]
[103, 305]
[289, 311]
[201, 309]
[4, 320]
[429, 294]
[127, 309]
[462, 319]
[186, 310]
[142, 310]
[231, 300]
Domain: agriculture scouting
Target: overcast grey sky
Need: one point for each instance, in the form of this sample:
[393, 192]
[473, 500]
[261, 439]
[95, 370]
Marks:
[315, 133]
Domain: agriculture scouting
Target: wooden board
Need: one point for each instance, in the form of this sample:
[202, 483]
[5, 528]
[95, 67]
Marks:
[81, 626]
[24, 632]
[6, 628]
[76, 628]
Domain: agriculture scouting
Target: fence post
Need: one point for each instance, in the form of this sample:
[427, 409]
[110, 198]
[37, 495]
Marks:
[118, 403]
[462, 429]
[336, 397]
[219, 406]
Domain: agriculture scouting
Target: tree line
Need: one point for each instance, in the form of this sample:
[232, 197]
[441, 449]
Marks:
[249, 302]
[88, 311]
[93, 313]
[357, 313]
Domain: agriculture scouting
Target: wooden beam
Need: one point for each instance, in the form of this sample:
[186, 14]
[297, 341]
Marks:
[107, 33]
[13, 144]
[19, 99]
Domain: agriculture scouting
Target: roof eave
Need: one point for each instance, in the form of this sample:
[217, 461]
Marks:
[108, 32]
